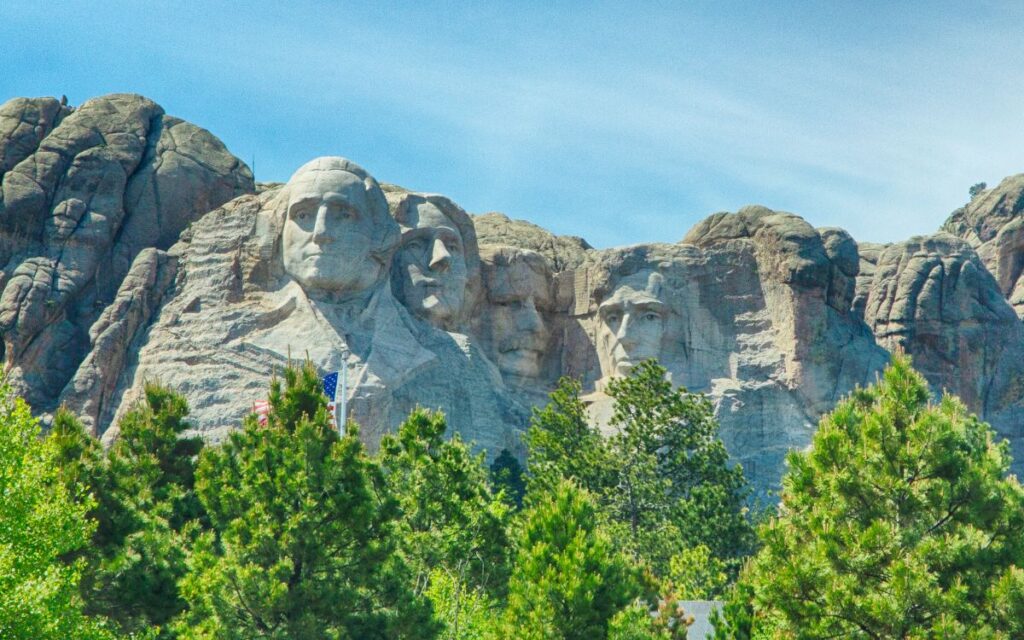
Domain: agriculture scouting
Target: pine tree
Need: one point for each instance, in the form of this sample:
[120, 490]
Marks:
[450, 518]
[507, 478]
[663, 482]
[304, 540]
[568, 580]
[145, 502]
[468, 613]
[676, 491]
[43, 526]
[562, 444]
[899, 522]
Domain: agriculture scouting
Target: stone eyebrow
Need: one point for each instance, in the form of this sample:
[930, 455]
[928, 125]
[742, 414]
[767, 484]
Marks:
[656, 305]
[449, 234]
[333, 196]
[304, 199]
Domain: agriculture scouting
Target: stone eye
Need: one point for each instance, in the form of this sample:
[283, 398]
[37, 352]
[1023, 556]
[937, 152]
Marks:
[613, 318]
[651, 316]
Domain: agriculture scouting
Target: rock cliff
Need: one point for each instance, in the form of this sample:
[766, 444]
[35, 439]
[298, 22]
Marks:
[136, 247]
[85, 193]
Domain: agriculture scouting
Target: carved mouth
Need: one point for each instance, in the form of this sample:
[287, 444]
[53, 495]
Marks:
[523, 345]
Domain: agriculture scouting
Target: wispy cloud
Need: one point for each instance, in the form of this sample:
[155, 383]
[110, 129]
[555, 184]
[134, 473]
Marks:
[875, 117]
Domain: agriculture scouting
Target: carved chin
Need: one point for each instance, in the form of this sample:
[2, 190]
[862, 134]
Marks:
[623, 367]
[435, 308]
[314, 278]
[520, 363]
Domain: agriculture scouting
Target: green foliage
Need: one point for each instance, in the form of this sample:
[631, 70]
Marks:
[507, 477]
[698, 574]
[467, 612]
[144, 491]
[1007, 603]
[43, 520]
[669, 621]
[676, 489]
[895, 524]
[568, 580]
[663, 481]
[976, 189]
[450, 518]
[736, 620]
[304, 541]
[562, 444]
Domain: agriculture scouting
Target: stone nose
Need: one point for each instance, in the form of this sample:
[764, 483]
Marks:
[528, 317]
[320, 235]
[625, 335]
[440, 258]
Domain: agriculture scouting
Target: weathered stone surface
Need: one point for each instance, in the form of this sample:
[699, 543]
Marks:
[134, 247]
[933, 297]
[993, 223]
[868, 253]
[769, 333]
[84, 191]
[114, 338]
[305, 271]
[564, 252]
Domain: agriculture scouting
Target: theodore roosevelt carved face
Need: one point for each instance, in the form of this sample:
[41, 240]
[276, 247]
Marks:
[631, 323]
[335, 237]
[518, 285]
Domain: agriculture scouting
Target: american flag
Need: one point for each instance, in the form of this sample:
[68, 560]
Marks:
[331, 391]
[262, 409]
[330, 381]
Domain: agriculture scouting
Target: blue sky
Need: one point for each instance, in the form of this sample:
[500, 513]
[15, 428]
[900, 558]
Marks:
[619, 124]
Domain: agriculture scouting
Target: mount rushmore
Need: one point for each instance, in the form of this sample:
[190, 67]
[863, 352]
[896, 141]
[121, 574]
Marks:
[135, 247]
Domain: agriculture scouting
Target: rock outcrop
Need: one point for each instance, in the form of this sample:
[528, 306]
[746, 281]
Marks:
[564, 252]
[993, 223]
[84, 192]
[932, 297]
[135, 247]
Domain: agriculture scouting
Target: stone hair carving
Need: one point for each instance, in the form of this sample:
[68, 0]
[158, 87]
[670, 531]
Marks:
[436, 271]
[337, 237]
[518, 283]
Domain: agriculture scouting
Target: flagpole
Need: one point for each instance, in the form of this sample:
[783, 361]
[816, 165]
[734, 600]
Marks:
[344, 394]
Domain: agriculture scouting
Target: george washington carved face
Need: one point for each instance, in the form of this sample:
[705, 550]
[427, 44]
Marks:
[332, 240]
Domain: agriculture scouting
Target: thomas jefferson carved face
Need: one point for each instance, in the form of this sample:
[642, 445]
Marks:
[518, 290]
[431, 265]
[329, 243]
[631, 322]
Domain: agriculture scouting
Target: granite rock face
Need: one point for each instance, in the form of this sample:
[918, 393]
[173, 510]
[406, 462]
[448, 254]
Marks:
[933, 297]
[993, 223]
[564, 252]
[84, 192]
[136, 247]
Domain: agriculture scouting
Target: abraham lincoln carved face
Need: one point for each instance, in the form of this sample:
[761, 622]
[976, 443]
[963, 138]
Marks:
[631, 323]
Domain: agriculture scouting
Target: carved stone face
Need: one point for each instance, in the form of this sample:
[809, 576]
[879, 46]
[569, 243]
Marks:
[328, 240]
[518, 289]
[631, 323]
[431, 264]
